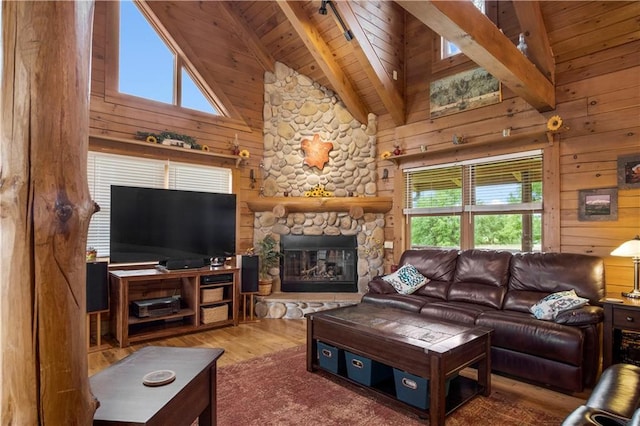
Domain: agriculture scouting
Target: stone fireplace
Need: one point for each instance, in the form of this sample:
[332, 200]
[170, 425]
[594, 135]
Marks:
[296, 112]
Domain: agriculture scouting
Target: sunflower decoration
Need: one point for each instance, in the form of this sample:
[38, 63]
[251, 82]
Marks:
[385, 155]
[205, 148]
[554, 123]
[151, 139]
[318, 191]
[244, 154]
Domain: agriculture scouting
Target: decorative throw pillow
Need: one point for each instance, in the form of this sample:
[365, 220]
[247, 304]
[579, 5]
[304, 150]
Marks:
[406, 279]
[549, 307]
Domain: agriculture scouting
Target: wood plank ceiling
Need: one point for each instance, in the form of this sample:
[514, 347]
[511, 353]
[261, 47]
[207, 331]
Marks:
[235, 41]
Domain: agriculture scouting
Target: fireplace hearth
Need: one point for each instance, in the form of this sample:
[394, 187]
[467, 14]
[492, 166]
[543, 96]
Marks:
[319, 263]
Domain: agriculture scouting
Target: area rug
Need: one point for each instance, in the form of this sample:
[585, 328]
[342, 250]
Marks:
[277, 390]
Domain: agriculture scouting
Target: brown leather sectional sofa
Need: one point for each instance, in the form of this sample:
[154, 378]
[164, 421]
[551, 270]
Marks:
[496, 289]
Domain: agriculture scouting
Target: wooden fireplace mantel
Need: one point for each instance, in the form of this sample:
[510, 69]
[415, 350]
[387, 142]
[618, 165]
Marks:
[321, 204]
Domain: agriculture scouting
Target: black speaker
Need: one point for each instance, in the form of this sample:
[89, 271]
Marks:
[97, 287]
[182, 263]
[248, 273]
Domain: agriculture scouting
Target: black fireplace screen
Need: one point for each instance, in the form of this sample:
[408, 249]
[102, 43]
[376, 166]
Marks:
[319, 263]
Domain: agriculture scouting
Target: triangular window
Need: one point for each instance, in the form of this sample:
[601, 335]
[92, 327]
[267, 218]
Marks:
[148, 65]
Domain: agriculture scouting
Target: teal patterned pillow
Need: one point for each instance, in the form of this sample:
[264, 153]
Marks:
[406, 280]
[549, 307]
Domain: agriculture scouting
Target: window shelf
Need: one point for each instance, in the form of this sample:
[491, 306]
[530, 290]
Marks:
[537, 135]
[119, 145]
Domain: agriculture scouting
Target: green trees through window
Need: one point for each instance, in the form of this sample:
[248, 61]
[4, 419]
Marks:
[496, 205]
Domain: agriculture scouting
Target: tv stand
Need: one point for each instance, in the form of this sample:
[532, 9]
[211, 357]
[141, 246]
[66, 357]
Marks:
[130, 285]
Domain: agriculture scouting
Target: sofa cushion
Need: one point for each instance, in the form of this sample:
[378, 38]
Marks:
[411, 303]
[460, 312]
[550, 306]
[481, 277]
[552, 272]
[522, 332]
[406, 280]
[437, 265]
[435, 289]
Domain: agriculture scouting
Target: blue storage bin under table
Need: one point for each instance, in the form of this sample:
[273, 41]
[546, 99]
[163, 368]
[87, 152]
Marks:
[331, 358]
[366, 371]
[414, 389]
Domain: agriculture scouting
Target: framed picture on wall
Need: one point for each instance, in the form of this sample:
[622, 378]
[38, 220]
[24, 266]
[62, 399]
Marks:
[463, 91]
[598, 204]
[629, 171]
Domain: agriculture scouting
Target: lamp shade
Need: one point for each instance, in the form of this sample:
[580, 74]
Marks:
[630, 248]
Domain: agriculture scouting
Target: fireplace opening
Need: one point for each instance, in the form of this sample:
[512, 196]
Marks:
[319, 263]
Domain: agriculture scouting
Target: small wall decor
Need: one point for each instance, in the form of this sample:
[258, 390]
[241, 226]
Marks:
[169, 138]
[629, 171]
[316, 152]
[598, 204]
[318, 191]
[464, 91]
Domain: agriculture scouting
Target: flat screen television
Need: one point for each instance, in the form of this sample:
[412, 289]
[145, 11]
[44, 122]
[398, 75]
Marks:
[149, 225]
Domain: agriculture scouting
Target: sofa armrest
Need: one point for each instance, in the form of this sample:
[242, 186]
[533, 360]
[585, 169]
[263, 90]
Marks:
[380, 286]
[581, 316]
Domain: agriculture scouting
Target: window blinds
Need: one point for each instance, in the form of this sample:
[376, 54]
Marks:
[502, 183]
[104, 170]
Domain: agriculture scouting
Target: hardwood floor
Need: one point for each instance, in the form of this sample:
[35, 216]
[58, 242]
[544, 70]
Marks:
[253, 339]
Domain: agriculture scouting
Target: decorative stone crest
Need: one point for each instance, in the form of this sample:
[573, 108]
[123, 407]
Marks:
[316, 152]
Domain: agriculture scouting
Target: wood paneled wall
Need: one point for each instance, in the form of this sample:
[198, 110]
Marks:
[121, 116]
[598, 97]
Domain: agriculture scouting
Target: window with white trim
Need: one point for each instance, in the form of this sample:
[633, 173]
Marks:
[150, 68]
[104, 170]
[491, 203]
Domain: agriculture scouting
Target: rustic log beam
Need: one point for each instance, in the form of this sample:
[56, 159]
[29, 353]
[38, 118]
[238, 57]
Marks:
[477, 37]
[532, 25]
[320, 204]
[280, 211]
[322, 54]
[46, 208]
[372, 65]
[248, 36]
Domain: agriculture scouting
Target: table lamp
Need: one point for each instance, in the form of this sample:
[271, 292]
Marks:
[631, 249]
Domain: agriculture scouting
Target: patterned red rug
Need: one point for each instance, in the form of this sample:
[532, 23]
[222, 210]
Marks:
[277, 390]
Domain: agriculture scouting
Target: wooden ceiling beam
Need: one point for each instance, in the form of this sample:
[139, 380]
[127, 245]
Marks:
[477, 37]
[372, 65]
[532, 25]
[323, 56]
[248, 36]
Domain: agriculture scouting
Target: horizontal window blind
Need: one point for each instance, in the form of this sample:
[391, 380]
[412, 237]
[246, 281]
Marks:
[104, 170]
[509, 182]
[434, 190]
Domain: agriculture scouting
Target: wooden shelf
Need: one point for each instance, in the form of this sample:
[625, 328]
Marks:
[321, 204]
[115, 144]
[129, 285]
[542, 136]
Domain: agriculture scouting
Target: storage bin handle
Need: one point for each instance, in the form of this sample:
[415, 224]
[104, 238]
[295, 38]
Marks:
[357, 363]
[327, 353]
[408, 383]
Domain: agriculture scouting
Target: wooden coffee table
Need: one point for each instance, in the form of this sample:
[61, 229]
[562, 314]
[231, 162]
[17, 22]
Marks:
[431, 349]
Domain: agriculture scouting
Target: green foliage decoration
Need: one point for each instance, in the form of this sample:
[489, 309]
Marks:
[269, 255]
[188, 140]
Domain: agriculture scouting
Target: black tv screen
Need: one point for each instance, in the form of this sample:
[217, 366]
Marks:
[149, 225]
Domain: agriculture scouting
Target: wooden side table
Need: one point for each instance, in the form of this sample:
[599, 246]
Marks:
[618, 316]
[125, 400]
